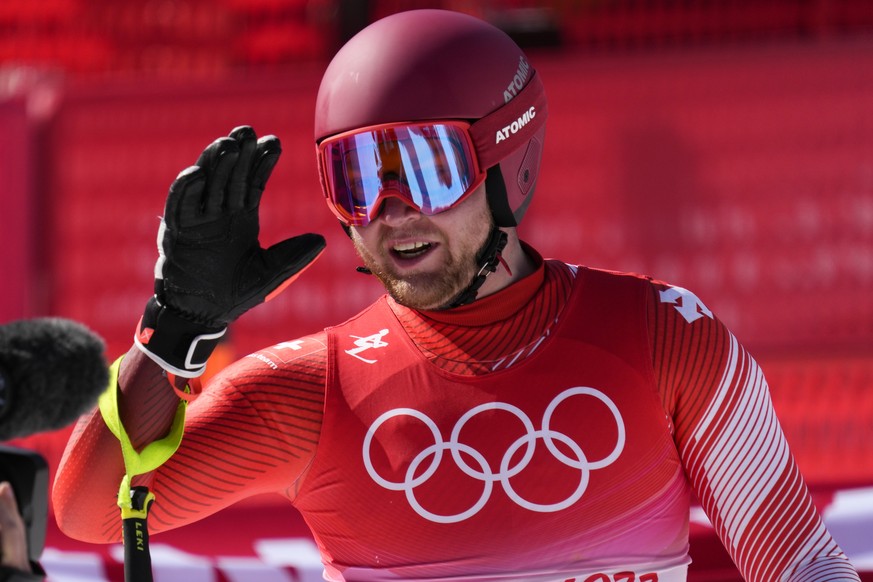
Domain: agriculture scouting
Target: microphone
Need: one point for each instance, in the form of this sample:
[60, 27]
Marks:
[52, 370]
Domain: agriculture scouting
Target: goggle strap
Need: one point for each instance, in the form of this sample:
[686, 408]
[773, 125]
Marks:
[502, 131]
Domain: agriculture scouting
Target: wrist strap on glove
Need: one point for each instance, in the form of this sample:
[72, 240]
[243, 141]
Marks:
[178, 345]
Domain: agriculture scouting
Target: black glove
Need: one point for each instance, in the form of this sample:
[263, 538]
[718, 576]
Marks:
[211, 268]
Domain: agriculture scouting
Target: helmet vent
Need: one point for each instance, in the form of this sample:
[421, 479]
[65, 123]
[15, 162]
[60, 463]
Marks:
[529, 163]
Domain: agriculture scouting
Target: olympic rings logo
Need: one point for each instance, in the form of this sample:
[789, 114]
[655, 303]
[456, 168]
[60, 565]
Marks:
[483, 471]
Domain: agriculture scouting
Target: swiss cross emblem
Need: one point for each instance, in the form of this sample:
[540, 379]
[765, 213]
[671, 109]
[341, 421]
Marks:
[686, 303]
[296, 345]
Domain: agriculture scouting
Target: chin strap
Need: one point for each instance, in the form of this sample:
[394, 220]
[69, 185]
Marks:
[488, 258]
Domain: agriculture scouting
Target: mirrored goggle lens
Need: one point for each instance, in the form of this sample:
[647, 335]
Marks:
[430, 166]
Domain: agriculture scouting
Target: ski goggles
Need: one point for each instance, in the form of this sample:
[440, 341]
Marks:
[431, 166]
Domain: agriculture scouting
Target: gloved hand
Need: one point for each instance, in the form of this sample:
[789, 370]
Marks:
[211, 268]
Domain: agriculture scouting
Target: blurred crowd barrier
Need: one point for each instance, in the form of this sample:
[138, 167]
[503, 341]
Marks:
[206, 38]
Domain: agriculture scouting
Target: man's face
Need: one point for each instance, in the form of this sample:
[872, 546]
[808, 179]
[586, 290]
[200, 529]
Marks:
[424, 261]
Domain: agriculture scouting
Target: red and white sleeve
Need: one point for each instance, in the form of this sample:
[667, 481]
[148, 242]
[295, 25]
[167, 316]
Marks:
[732, 446]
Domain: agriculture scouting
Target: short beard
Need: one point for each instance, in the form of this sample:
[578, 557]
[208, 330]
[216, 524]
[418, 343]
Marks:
[431, 290]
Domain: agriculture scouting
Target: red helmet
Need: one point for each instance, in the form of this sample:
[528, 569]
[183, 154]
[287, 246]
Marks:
[429, 65]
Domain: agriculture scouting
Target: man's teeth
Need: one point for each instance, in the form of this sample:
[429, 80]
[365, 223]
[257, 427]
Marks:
[411, 249]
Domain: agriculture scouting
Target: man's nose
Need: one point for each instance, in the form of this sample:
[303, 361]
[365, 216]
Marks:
[394, 210]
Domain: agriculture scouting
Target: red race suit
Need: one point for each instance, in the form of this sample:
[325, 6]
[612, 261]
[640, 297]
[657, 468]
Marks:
[554, 431]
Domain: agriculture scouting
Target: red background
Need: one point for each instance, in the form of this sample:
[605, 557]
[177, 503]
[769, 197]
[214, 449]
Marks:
[724, 146]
